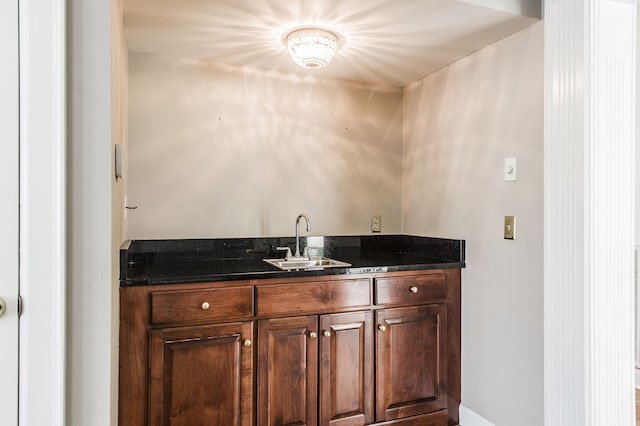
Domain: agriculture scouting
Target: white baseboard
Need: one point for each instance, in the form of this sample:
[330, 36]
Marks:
[471, 418]
[637, 372]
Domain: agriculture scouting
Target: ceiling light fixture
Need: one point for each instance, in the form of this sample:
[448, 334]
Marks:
[310, 47]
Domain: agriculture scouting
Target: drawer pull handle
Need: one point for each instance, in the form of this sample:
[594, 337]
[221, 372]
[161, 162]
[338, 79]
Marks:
[382, 327]
[326, 333]
[413, 289]
[313, 335]
[205, 305]
[247, 342]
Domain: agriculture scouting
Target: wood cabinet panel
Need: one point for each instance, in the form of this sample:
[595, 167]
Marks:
[454, 344]
[183, 306]
[313, 297]
[410, 290]
[411, 366]
[133, 389]
[287, 371]
[184, 365]
[201, 376]
[346, 369]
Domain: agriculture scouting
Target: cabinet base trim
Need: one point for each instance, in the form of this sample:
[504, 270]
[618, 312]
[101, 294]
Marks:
[439, 418]
[469, 417]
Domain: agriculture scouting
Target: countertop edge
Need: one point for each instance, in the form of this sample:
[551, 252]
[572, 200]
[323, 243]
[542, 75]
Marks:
[240, 276]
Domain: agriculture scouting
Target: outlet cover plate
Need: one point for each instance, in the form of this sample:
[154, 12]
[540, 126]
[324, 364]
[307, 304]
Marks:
[509, 227]
[376, 223]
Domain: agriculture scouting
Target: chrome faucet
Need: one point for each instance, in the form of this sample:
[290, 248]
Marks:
[306, 218]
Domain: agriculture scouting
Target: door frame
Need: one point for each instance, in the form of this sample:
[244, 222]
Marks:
[9, 208]
[589, 167]
[42, 53]
[556, 324]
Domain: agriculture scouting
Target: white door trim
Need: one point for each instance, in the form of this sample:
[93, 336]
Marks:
[43, 209]
[9, 211]
[588, 212]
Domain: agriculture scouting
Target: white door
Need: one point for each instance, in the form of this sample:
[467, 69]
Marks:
[9, 211]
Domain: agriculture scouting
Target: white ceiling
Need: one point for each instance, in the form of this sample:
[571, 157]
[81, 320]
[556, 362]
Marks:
[388, 42]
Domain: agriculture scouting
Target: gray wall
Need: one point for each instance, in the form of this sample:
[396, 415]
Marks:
[460, 123]
[222, 151]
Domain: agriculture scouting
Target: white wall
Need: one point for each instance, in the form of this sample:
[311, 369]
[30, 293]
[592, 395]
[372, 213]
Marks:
[119, 121]
[460, 124]
[637, 166]
[637, 162]
[637, 231]
[221, 151]
[90, 389]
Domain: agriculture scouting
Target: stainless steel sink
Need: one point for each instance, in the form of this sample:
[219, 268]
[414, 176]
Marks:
[319, 263]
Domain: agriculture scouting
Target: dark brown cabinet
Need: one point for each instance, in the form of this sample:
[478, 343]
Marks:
[201, 375]
[346, 369]
[306, 372]
[287, 378]
[411, 367]
[330, 351]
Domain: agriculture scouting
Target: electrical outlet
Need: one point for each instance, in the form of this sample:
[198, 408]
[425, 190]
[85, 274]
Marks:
[376, 223]
[509, 227]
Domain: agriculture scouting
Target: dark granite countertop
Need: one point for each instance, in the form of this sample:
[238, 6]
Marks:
[145, 262]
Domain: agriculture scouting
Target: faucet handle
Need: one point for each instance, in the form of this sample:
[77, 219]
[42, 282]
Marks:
[288, 255]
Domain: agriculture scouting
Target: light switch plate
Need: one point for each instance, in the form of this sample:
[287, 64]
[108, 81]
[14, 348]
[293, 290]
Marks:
[510, 169]
[119, 159]
[509, 227]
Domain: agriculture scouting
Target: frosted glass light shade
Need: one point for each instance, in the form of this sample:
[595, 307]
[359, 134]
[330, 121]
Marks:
[312, 48]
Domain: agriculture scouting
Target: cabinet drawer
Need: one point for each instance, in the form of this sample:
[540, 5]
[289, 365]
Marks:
[313, 297]
[169, 307]
[410, 289]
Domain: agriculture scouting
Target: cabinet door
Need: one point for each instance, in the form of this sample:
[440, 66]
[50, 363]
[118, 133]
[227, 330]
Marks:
[287, 371]
[411, 361]
[346, 369]
[201, 376]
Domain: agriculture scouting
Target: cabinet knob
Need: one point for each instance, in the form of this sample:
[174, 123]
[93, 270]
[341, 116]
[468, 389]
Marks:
[382, 327]
[205, 305]
[313, 335]
[326, 333]
[413, 289]
[247, 342]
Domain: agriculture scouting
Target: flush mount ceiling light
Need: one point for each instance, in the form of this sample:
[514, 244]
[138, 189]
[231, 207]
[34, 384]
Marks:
[310, 47]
